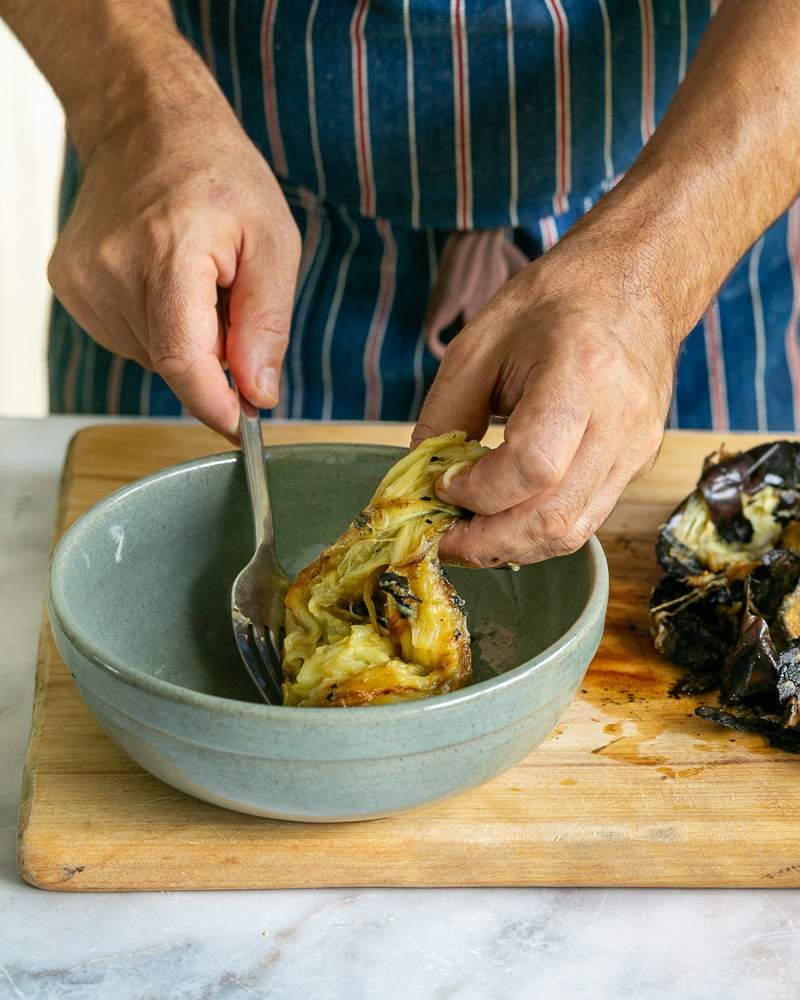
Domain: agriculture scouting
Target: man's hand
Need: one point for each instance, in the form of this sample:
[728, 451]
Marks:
[175, 202]
[160, 222]
[579, 349]
[585, 379]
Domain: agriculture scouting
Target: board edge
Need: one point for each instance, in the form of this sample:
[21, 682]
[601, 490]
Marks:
[25, 849]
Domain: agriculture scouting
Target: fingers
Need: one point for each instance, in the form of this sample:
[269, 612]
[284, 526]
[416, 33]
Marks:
[557, 522]
[260, 316]
[102, 318]
[460, 397]
[183, 333]
[542, 437]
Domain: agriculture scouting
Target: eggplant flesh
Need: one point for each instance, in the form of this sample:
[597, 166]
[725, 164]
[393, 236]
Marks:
[693, 540]
[728, 608]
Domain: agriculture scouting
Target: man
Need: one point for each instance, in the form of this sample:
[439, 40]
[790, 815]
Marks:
[322, 160]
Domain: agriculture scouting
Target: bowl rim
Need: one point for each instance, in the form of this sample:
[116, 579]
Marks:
[594, 607]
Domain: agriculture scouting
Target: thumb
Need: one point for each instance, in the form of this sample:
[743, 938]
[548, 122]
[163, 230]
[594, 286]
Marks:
[460, 398]
[260, 318]
[182, 334]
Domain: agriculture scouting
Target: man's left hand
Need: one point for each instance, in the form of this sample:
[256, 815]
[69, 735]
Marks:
[584, 376]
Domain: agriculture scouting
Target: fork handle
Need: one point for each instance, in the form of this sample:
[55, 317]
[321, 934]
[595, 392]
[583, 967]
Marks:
[252, 449]
[255, 470]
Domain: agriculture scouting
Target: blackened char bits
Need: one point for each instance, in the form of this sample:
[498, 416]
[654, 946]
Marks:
[728, 608]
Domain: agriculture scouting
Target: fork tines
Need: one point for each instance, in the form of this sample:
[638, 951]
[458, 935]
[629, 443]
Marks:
[260, 653]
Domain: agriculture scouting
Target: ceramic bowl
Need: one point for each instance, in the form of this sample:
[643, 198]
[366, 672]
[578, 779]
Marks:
[139, 601]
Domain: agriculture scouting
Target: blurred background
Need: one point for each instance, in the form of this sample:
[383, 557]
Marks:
[32, 127]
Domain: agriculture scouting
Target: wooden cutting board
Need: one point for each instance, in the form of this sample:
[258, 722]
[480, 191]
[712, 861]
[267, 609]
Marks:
[630, 790]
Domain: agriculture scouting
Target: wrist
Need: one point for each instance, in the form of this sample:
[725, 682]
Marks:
[609, 269]
[148, 79]
[657, 239]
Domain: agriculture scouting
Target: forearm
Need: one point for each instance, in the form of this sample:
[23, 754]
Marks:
[110, 62]
[721, 167]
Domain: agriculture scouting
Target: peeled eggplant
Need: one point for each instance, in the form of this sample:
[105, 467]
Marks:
[373, 619]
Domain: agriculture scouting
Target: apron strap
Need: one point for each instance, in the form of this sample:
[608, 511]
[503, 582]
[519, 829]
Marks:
[473, 266]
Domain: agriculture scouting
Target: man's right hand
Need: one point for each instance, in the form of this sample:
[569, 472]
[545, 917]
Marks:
[175, 202]
[168, 211]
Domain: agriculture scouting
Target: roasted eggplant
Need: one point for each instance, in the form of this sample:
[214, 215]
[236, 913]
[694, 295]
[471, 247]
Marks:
[690, 624]
[750, 670]
[374, 619]
[728, 610]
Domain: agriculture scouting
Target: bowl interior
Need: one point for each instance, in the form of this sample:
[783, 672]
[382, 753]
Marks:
[144, 579]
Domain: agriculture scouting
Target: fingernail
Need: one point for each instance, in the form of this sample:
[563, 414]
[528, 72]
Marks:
[267, 384]
[444, 485]
[440, 490]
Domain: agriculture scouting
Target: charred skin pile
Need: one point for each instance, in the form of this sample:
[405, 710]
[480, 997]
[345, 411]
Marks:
[729, 608]
[373, 619]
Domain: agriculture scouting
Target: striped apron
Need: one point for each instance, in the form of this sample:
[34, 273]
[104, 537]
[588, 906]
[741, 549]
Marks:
[392, 123]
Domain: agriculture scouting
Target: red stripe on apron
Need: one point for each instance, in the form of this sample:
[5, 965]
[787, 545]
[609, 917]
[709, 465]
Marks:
[793, 328]
[361, 109]
[270, 93]
[380, 319]
[114, 385]
[648, 122]
[563, 126]
[463, 150]
[716, 368]
[549, 231]
[208, 41]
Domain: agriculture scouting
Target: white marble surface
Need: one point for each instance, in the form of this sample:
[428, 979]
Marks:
[454, 944]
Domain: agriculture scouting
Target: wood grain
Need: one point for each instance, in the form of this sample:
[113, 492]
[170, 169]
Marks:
[630, 790]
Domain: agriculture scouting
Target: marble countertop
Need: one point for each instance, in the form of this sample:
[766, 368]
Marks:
[459, 944]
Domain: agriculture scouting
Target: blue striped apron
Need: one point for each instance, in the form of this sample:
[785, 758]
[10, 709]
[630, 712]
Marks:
[391, 123]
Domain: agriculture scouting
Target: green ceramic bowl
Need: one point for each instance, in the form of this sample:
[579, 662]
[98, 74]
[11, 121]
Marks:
[139, 601]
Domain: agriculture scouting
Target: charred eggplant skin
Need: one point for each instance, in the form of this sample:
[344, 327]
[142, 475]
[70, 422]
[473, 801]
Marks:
[675, 558]
[693, 625]
[734, 622]
[724, 484]
[789, 687]
[750, 670]
[777, 574]
[397, 587]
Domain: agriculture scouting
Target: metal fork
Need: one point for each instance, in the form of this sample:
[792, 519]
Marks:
[258, 591]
